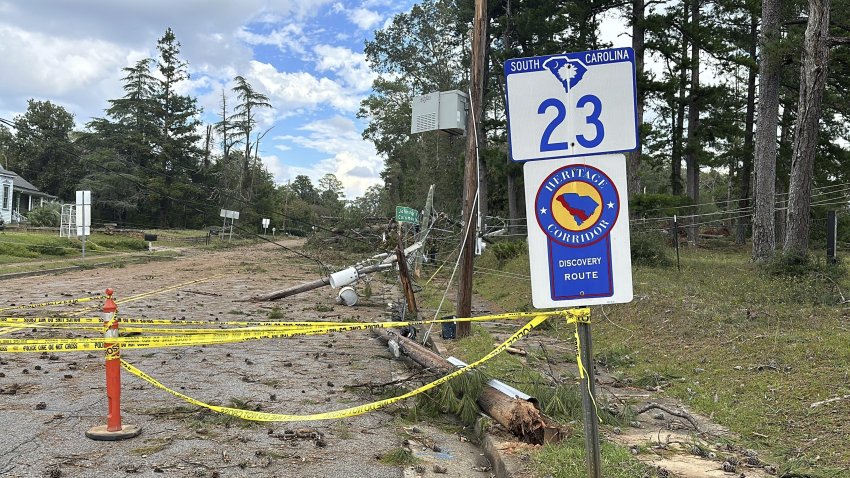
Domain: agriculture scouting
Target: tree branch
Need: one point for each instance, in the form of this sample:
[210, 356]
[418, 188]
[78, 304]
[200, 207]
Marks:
[681, 414]
[838, 41]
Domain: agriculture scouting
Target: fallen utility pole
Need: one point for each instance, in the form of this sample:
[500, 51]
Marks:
[520, 417]
[279, 294]
[387, 263]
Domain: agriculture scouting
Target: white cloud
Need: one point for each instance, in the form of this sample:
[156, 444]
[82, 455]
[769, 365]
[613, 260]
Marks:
[52, 65]
[349, 65]
[301, 89]
[289, 37]
[364, 18]
[351, 159]
[74, 73]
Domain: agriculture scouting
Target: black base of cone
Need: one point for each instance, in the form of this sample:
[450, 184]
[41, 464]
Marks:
[101, 433]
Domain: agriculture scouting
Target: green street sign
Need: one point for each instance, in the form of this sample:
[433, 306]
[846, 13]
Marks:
[406, 214]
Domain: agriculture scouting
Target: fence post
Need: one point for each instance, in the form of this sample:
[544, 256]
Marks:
[113, 430]
[831, 237]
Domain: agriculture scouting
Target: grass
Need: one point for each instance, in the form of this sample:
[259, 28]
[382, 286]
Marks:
[399, 457]
[566, 460]
[26, 251]
[152, 445]
[751, 349]
[205, 417]
[275, 314]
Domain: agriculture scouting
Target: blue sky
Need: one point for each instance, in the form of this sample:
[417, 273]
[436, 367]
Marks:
[306, 55]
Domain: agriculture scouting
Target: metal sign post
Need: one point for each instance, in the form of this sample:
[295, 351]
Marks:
[593, 456]
[83, 213]
[676, 242]
[583, 106]
[831, 236]
[227, 214]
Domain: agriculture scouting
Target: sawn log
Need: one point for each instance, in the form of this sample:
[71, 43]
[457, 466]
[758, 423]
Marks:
[520, 417]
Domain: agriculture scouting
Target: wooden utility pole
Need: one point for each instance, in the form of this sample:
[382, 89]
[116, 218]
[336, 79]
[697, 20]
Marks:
[470, 176]
[406, 283]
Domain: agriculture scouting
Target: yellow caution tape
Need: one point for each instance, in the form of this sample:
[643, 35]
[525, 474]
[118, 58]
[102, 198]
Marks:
[13, 321]
[582, 316]
[347, 412]
[579, 316]
[223, 336]
[166, 289]
[64, 321]
[54, 302]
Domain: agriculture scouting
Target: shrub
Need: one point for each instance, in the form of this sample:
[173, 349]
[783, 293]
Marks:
[649, 249]
[794, 265]
[48, 215]
[16, 250]
[814, 280]
[505, 251]
[50, 249]
[656, 205]
[123, 244]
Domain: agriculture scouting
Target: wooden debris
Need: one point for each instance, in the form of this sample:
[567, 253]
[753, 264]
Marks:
[519, 417]
[681, 413]
[829, 400]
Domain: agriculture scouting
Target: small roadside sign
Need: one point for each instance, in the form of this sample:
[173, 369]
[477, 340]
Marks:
[406, 214]
[83, 212]
[578, 232]
[572, 104]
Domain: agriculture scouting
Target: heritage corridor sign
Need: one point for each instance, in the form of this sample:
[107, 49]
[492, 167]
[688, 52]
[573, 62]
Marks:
[578, 232]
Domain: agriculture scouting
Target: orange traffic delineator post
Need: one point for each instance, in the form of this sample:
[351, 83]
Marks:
[113, 430]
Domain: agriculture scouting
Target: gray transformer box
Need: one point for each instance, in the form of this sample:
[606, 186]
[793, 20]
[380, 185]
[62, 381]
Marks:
[443, 110]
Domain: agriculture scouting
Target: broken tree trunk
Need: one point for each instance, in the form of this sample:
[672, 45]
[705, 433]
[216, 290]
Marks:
[279, 294]
[519, 417]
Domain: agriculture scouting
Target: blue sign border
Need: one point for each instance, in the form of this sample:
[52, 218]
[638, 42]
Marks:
[578, 56]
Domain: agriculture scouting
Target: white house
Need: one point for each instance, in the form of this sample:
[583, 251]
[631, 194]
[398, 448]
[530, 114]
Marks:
[18, 196]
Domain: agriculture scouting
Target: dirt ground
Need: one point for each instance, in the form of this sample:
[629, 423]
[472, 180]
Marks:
[47, 402]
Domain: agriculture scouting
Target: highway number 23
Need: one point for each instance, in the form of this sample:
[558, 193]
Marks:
[546, 143]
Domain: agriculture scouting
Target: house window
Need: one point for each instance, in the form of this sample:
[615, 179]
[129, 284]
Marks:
[6, 196]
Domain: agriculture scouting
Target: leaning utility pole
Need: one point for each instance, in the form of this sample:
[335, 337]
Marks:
[470, 176]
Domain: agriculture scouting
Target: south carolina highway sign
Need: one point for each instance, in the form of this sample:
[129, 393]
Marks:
[572, 104]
